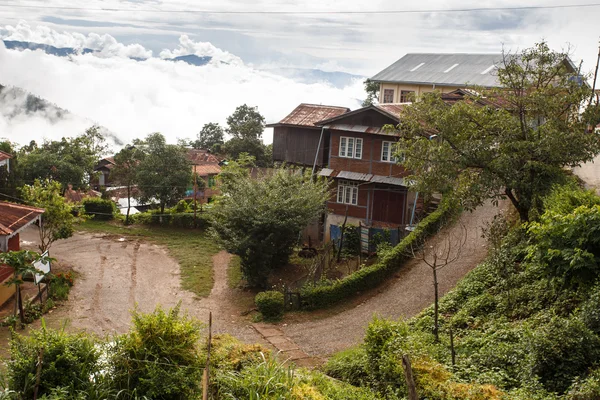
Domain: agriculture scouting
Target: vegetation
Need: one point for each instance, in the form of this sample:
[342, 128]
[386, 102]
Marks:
[210, 137]
[193, 250]
[270, 304]
[510, 143]
[260, 219]
[372, 90]
[58, 219]
[98, 208]
[327, 292]
[163, 173]
[125, 171]
[246, 126]
[524, 323]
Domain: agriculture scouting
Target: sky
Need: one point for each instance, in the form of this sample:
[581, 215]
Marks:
[133, 98]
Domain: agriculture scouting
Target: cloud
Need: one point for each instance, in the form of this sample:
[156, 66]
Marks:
[188, 46]
[133, 99]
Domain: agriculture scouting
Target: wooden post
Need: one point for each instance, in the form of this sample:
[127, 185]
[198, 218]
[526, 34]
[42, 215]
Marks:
[359, 243]
[436, 312]
[206, 376]
[339, 254]
[452, 351]
[195, 196]
[20, 300]
[410, 379]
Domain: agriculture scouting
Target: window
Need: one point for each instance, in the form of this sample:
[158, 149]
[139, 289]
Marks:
[387, 152]
[350, 147]
[388, 95]
[211, 181]
[347, 192]
[406, 96]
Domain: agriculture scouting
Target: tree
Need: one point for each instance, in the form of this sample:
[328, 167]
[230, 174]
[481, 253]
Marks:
[163, 173]
[9, 175]
[246, 123]
[125, 171]
[22, 263]
[68, 161]
[372, 89]
[260, 219]
[437, 254]
[510, 142]
[211, 134]
[254, 147]
[57, 220]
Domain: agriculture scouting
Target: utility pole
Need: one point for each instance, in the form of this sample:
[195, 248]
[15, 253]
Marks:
[595, 77]
[195, 196]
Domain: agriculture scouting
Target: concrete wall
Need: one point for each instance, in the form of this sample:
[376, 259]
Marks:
[418, 89]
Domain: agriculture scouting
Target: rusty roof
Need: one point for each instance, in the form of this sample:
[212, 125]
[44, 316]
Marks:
[201, 157]
[207, 169]
[392, 108]
[14, 217]
[75, 196]
[309, 114]
[4, 155]
[357, 176]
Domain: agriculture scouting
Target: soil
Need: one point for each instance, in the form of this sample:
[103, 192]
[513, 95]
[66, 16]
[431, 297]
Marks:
[116, 274]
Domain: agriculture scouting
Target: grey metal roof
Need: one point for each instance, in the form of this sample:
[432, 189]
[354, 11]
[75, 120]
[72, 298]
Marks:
[357, 176]
[457, 69]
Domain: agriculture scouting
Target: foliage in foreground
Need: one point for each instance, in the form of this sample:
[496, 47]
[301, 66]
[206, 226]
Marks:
[525, 322]
[259, 219]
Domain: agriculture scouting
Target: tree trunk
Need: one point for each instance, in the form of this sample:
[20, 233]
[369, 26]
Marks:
[523, 211]
[436, 322]
[20, 301]
[339, 254]
[410, 379]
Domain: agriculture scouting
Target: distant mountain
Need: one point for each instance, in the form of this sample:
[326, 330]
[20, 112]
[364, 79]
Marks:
[55, 51]
[336, 78]
[192, 59]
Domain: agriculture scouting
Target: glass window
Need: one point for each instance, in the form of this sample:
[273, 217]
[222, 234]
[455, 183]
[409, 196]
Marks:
[406, 96]
[347, 192]
[350, 147]
[388, 95]
[387, 152]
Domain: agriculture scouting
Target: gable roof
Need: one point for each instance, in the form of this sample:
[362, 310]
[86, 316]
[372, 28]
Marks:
[309, 114]
[4, 155]
[201, 157]
[443, 69]
[14, 217]
[391, 110]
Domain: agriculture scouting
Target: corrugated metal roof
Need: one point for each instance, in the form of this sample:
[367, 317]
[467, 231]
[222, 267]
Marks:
[201, 157]
[309, 114]
[356, 176]
[390, 180]
[392, 108]
[361, 129]
[443, 69]
[13, 217]
[325, 172]
[208, 169]
[4, 155]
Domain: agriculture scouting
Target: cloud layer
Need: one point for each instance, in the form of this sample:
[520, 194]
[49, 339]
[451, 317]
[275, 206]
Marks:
[134, 98]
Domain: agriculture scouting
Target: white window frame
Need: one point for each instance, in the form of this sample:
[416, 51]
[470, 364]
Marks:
[347, 192]
[350, 147]
[388, 156]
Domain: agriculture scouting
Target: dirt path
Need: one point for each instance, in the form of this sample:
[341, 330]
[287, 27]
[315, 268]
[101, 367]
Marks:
[410, 292]
[116, 274]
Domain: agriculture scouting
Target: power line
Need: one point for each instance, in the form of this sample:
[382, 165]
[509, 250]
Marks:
[283, 12]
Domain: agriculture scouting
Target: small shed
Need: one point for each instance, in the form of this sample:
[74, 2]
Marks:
[13, 219]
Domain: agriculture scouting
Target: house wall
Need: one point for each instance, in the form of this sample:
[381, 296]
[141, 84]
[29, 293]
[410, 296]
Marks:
[418, 89]
[370, 162]
[5, 163]
[298, 145]
[6, 292]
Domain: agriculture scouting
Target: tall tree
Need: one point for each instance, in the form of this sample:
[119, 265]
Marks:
[509, 142]
[125, 171]
[372, 90]
[260, 219]
[10, 179]
[211, 134]
[164, 173]
[57, 220]
[246, 123]
[68, 161]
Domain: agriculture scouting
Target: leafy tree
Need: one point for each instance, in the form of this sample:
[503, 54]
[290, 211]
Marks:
[68, 161]
[125, 171]
[246, 123]
[57, 220]
[509, 142]
[164, 172]
[372, 89]
[9, 176]
[260, 219]
[211, 134]
[254, 147]
[22, 263]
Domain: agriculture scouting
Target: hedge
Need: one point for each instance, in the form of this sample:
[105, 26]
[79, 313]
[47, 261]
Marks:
[271, 304]
[99, 208]
[178, 220]
[327, 293]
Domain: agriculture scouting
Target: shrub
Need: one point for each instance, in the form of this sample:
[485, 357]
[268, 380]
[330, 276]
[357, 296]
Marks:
[60, 286]
[586, 389]
[326, 293]
[69, 361]
[271, 304]
[158, 357]
[99, 208]
[350, 366]
[590, 312]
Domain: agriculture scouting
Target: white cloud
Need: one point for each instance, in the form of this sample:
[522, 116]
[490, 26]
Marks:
[188, 46]
[133, 98]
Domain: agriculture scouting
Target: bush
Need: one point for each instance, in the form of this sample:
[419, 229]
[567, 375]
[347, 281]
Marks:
[158, 357]
[326, 293]
[590, 312]
[60, 286]
[350, 366]
[586, 389]
[99, 208]
[271, 304]
[69, 361]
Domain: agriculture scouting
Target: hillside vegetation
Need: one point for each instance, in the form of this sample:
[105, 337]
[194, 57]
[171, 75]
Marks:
[526, 322]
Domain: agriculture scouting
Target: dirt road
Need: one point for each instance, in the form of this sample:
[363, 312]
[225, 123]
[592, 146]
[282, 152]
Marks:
[410, 292]
[116, 273]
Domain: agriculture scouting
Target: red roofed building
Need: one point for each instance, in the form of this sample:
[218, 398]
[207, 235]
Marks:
[206, 166]
[4, 160]
[297, 138]
[13, 219]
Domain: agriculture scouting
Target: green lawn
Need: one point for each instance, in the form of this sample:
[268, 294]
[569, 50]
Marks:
[234, 272]
[193, 250]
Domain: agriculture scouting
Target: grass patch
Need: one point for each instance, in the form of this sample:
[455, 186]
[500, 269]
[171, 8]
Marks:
[234, 272]
[193, 250]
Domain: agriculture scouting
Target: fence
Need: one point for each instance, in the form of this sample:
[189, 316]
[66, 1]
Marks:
[368, 239]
